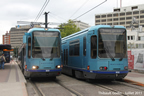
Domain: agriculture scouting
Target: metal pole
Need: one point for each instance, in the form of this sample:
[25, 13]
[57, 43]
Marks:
[16, 53]
[46, 20]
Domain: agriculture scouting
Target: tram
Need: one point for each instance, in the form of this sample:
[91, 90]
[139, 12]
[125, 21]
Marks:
[39, 55]
[98, 52]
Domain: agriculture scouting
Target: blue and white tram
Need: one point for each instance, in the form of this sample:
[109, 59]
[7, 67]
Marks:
[99, 52]
[39, 54]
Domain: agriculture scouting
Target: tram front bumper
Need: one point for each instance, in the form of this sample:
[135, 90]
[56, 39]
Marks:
[99, 75]
[44, 73]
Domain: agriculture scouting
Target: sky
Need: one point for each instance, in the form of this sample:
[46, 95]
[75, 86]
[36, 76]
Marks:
[61, 11]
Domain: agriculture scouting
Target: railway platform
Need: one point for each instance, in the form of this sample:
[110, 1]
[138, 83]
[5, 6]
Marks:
[135, 77]
[12, 81]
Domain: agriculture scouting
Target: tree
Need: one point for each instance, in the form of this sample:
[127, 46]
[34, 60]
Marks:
[15, 52]
[68, 28]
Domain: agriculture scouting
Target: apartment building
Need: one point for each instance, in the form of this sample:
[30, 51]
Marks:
[81, 25]
[6, 38]
[135, 39]
[124, 16]
[16, 34]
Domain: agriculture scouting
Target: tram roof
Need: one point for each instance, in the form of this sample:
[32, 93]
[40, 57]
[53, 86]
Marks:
[93, 28]
[42, 29]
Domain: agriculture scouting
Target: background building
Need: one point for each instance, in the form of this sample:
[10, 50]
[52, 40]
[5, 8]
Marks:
[6, 38]
[16, 34]
[81, 25]
[124, 16]
[135, 39]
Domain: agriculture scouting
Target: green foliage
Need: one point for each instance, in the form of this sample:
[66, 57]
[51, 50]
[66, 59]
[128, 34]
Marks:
[15, 52]
[68, 28]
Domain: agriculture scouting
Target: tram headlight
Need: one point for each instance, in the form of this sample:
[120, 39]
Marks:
[103, 68]
[35, 67]
[58, 66]
[46, 29]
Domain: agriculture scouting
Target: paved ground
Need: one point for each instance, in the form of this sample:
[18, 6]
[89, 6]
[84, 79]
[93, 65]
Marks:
[12, 82]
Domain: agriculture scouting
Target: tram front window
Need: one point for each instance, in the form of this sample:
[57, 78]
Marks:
[112, 43]
[46, 45]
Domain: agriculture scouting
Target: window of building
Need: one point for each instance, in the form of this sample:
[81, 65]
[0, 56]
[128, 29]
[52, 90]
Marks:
[115, 23]
[136, 45]
[142, 16]
[128, 37]
[128, 18]
[139, 38]
[122, 18]
[132, 37]
[98, 16]
[141, 21]
[135, 7]
[115, 19]
[122, 14]
[129, 13]
[117, 10]
[140, 45]
[104, 20]
[142, 11]
[109, 15]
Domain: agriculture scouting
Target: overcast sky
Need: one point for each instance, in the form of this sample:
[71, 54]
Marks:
[61, 11]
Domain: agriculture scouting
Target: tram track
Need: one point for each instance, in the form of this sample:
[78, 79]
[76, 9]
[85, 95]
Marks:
[37, 90]
[111, 90]
[70, 90]
[114, 90]
[68, 86]
[40, 93]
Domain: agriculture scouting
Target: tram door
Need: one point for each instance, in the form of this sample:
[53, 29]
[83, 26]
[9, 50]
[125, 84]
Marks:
[64, 60]
[65, 56]
[84, 52]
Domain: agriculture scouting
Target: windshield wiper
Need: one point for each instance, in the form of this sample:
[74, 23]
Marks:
[43, 59]
[109, 54]
[121, 59]
[122, 55]
[51, 58]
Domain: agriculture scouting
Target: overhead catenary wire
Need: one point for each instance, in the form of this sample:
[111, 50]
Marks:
[90, 10]
[41, 11]
[53, 14]
[79, 8]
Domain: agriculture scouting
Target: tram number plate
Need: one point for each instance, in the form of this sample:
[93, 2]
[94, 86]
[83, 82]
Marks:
[117, 71]
[47, 70]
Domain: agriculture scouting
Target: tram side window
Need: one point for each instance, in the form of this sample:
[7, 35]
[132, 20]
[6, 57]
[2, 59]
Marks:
[93, 46]
[84, 46]
[29, 47]
[24, 50]
[74, 48]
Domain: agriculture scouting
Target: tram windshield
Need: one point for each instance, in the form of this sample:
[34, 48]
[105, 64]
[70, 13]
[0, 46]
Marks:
[112, 43]
[46, 45]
